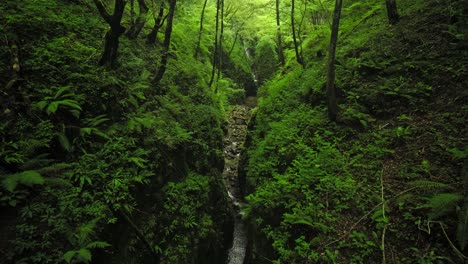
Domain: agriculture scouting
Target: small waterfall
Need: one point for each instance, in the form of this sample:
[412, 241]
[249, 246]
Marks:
[233, 145]
[249, 57]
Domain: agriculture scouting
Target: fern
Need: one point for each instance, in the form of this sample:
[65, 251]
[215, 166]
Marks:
[86, 231]
[36, 162]
[28, 178]
[428, 185]
[50, 104]
[441, 204]
[82, 255]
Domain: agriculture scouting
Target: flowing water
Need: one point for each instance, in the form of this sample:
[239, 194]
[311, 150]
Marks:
[233, 145]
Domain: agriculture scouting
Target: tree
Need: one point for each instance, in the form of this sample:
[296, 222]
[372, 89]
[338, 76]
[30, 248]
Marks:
[331, 90]
[158, 22]
[167, 42]
[278, 35]
[221, 35]
[111, 44]
[215, 51]
[296, 46]
[200, 31]
[136, 27]
[392, 12]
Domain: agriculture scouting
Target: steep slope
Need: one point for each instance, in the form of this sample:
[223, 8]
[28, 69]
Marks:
[97, 163]
[387, 181]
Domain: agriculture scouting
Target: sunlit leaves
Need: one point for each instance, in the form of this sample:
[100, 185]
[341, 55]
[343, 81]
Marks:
[28, 178]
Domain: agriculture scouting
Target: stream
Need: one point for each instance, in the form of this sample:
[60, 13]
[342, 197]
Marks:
[233, 146]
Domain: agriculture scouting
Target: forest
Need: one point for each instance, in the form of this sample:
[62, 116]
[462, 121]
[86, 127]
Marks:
[233, 131]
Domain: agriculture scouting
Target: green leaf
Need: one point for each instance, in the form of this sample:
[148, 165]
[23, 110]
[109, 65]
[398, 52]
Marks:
[70, 103]
[62, 90]
[41, 105]
[84, 255]
[64, 142]
[138, 161]
[12, 203]
[69, 255]
[86, 131]
[52, 108]
[98, 244]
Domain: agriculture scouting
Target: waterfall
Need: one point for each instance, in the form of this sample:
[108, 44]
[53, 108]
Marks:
[249, 57]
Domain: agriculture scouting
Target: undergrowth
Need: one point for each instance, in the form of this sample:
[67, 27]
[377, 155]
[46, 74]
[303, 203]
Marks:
[387, 182]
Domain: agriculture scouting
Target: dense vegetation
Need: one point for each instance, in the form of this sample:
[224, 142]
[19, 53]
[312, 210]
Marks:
[112, 115]
[386, 182]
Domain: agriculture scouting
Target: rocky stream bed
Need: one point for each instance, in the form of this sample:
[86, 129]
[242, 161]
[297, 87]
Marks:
[233, 146]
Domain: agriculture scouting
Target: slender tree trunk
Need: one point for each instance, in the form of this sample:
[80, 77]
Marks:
[167, 42]
[111, 44]
[299, 32]
[136, 28]
[200, 31]
[331, 91]
[296, 46]
[158, 22]
[215, 51]
[392, 12]
[278, 35]
[132, 12]
[220, 56]
[234, 43]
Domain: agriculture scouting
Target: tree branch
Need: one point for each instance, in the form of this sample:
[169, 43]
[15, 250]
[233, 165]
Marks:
[102, 10]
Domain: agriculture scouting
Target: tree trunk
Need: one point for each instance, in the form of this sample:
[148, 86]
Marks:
[331, 91]
[132, 12]
[167, 42]
[200, 32]
[278, 35]
[215, 51]
[136, 28]
[299, 32]
[158, 22]
[392, 12]
[111, 44]
[296, 46]
[220, 55]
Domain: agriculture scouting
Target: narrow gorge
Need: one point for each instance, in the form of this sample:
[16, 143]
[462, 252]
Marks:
[233, 145]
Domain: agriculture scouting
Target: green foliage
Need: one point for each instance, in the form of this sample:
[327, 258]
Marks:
[50, 104]
[28, 178]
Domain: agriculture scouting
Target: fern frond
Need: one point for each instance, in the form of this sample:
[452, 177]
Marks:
[86, 231]
[429, 185]
[28, 178]
[442, 204]
[54, 168]
[98, 244]
[36, 162]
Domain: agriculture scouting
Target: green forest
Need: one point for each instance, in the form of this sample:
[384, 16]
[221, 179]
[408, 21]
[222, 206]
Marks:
[233, 131]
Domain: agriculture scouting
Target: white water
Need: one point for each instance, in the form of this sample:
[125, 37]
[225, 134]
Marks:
[239, 243]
